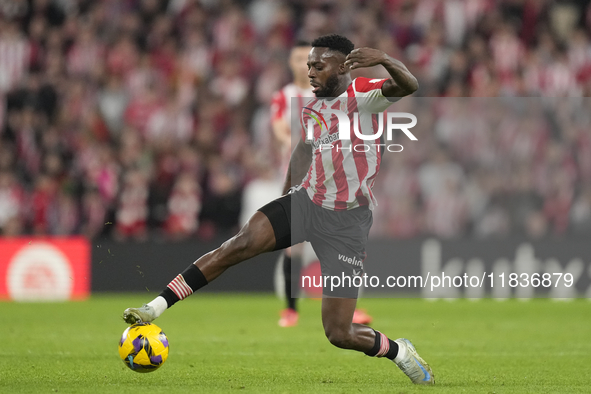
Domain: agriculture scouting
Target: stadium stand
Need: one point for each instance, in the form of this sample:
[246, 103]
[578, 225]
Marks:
[136, 119]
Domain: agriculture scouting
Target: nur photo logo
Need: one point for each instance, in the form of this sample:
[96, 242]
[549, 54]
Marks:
[311, 118]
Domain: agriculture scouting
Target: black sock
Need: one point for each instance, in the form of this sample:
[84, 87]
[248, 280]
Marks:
[185, 284]
[390, 350]
[393, 352]
[291, 265]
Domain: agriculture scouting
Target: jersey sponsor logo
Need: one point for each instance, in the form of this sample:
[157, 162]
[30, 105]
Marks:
[351, 260]
[327, 141]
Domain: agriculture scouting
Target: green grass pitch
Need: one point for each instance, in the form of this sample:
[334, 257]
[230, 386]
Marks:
[231, 343]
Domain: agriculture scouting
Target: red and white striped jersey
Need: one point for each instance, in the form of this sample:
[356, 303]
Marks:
[281, 101]
[342, 179]
[281, 107]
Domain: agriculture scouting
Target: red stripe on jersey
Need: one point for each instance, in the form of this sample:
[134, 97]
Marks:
[278, 105]
[306, 182]
[371, 180]
[320, 194]
[364, 85]
[303, 128]
[359, 157]
[317, 132]
[339, 176]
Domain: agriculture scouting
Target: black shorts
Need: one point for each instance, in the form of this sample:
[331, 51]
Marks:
[339, 238]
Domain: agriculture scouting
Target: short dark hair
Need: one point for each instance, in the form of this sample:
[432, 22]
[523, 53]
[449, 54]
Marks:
[334, 42]
[301, 44]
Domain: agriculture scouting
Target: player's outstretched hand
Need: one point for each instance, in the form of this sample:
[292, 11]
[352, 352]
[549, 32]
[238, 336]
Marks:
[365, 57]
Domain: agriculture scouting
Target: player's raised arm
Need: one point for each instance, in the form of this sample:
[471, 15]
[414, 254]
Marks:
[402, 82]
[300, 161]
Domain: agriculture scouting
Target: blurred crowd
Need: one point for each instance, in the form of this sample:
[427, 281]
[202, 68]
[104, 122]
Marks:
[139, 119]
[489, 167]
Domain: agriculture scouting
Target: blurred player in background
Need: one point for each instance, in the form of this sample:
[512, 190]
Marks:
[331, 204]
[281, 112]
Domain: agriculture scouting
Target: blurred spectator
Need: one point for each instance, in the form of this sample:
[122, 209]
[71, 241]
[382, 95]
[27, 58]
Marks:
[12, 199]
[494, 222]
[222, 199]
[230, 84]
[63, 215]
[112, 101]
[94, 214]
[14, 55]
[439, 174]
[404, 220]
[42, 199]
[184, 205]
[536, 225]
[581, 211]
[131, 214]
[446, 211]
[169, 122]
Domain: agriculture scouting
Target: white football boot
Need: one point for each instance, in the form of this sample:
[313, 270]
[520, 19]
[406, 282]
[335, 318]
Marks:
[144, 314]
[409, 361]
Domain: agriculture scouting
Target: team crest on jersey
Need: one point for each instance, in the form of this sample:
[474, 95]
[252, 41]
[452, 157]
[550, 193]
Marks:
[343, 105]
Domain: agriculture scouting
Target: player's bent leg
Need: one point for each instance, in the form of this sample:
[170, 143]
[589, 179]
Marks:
[268, 229]
[256, 237]
[337, 315]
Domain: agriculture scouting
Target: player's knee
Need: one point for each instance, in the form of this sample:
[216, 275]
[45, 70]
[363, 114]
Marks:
[339, 337]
